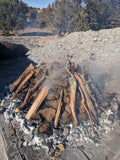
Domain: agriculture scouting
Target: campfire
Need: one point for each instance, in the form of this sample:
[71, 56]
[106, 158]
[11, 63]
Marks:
[58, 104]
[58, 92]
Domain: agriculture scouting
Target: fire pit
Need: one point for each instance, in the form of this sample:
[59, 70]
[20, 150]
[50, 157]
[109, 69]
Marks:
[55, 90]
[58, 104]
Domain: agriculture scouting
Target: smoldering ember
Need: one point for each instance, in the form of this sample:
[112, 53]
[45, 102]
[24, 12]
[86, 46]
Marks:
[58, 104]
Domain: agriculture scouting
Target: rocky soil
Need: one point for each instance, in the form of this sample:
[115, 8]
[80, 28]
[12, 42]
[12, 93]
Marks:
[100, 52]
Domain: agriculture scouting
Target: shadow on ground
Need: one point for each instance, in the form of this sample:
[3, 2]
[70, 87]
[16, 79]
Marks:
[11, 69]
[37, 34]
[13, 62]
[12, 50]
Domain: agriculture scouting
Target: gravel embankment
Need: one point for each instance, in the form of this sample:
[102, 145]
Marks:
[104, 44]
[100, 51]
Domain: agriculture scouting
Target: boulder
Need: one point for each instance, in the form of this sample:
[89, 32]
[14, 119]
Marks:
[48, 113]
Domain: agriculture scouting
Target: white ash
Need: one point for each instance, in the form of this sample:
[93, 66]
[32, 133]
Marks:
[26, 128]
[37, 142]
[65, 135]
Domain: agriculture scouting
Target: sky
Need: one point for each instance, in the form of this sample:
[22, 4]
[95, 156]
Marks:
[38, 3]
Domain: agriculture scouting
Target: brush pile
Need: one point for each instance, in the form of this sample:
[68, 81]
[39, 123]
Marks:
[58, 92]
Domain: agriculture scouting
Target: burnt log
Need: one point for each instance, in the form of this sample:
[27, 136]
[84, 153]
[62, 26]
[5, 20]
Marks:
[56, 92]
[41, 96]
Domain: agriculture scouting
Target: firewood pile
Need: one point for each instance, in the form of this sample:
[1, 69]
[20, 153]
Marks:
[58, 92]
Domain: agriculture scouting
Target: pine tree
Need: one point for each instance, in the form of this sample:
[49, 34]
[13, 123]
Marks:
[13, 15]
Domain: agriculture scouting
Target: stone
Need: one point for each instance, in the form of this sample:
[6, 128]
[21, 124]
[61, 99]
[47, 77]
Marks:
[51, 103]
[51, 97]
[65, 118]
[17, 110]
[48, 113]
[105, 40]
[11, 133]
[95, 39]
[43, 128]
[36, 117]
[60, 147]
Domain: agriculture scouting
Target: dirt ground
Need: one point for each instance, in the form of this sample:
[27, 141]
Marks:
[32, 37]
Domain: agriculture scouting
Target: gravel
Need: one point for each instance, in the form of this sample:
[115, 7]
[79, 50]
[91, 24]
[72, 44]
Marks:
[82, 46]
[99, 50]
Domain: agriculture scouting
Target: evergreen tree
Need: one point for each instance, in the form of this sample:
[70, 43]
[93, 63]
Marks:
[12, 15]
[62, 16]
[81, 15]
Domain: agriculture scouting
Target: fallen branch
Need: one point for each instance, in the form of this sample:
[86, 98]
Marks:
[84, 105]
[58, 110]
[36, 104]
[72, 99]
[26, 99]
[23, 83]
[88, 101]
[30, 91]
[88, 89]
[22, 76]
[68, 72]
